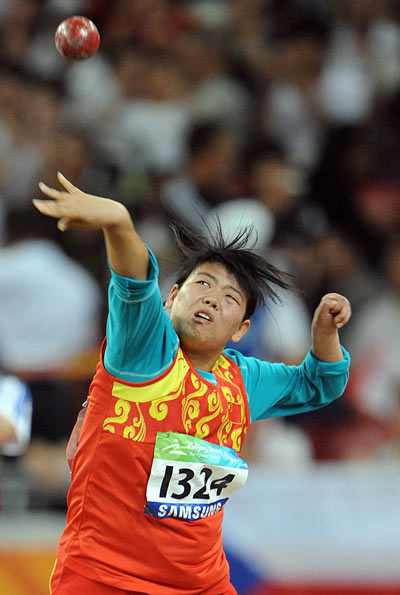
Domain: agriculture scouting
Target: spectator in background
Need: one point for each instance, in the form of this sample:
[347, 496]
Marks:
[206, 177]
[15, 416]
[69, 149]
[216, 93]
[376, 346]
[271, 178]
[49, 304]
[358, 171]
[50, 323]
[290, 113]
[153, 24]
[363, 58]
[50, 328]
[141, 118]
[345, 266]
[29, 114]
[121, 76]
[368, 428]
[15, 432]
[148, 130]
[153, 125]
[250, 26]
[18, 23]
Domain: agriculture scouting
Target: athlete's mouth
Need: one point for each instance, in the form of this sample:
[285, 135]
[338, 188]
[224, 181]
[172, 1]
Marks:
[201, 315]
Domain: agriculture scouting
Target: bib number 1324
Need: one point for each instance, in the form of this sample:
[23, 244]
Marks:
[191, 478]
[185, 475]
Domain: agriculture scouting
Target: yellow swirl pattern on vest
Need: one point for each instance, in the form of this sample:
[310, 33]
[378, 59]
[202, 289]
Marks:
[122, 410]
[190, 406]
[137, 431]
[202, 408]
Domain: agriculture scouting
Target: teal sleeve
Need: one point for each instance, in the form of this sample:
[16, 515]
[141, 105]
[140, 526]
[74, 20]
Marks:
[276, 390]
[141, 341]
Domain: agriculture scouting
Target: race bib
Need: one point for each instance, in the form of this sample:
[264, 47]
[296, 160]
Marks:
[190, 478]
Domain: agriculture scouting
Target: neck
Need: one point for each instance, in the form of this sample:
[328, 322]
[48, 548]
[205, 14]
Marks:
[202, 361]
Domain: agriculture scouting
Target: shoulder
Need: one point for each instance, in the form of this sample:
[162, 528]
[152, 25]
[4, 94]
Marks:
[249, 366]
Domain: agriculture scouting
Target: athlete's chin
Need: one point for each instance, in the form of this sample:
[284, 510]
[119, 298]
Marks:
[189, 329]
[196, 337]
[199, 343]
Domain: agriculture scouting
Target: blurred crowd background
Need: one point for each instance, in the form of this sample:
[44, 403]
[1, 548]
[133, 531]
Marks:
[284, 114]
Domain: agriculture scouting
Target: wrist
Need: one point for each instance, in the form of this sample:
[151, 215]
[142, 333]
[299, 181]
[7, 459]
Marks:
[119, 219]
[326, 346]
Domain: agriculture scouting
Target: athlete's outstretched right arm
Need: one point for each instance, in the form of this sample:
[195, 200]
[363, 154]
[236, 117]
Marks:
[127, 254]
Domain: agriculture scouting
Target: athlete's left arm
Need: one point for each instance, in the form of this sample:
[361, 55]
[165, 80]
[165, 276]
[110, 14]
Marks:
[275, 389]
[332, 313]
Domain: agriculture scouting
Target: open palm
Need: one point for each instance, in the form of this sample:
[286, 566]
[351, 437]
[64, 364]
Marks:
[74, 208]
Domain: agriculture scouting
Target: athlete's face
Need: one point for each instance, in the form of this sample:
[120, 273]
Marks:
[208, 309]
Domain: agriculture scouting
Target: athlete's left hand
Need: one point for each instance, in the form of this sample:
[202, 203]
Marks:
[332, 313]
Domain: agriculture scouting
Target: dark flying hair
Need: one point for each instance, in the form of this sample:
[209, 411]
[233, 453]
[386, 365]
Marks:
[256, 276]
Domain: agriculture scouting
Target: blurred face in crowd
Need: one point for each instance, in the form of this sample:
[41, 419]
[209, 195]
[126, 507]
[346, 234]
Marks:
[214, 164]
[360, 12]
[300, 60]
[164, 81]
[276, 183]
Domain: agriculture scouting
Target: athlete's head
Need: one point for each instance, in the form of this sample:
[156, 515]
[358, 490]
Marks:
[218, 288]
[256, 276]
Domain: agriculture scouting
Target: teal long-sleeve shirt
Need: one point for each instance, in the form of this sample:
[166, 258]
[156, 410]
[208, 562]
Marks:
[142, 344]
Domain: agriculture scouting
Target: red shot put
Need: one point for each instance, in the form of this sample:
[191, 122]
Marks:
[77, 38]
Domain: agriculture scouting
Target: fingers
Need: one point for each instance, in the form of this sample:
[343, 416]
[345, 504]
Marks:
[65, 183]
[333, 305]
[50, 192]
[340, 319]
[53, 192]
[64, 223]
[345, 314]
[338, 307]
[47, 207]
[53, 208]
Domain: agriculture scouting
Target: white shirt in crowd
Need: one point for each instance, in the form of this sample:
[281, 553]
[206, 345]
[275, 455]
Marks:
[16, 408]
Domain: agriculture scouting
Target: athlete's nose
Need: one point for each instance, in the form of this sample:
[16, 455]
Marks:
[211, 302]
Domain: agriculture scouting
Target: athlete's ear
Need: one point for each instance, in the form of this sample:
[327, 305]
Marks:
[242, 330]
[172, 295]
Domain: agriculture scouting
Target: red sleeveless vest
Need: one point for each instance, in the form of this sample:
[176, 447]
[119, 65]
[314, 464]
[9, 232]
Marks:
[108, 537]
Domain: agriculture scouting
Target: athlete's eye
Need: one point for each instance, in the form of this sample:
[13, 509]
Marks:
[231, 297]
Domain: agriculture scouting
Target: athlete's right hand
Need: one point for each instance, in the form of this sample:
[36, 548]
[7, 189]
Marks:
[73, 440]
[74, 208]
